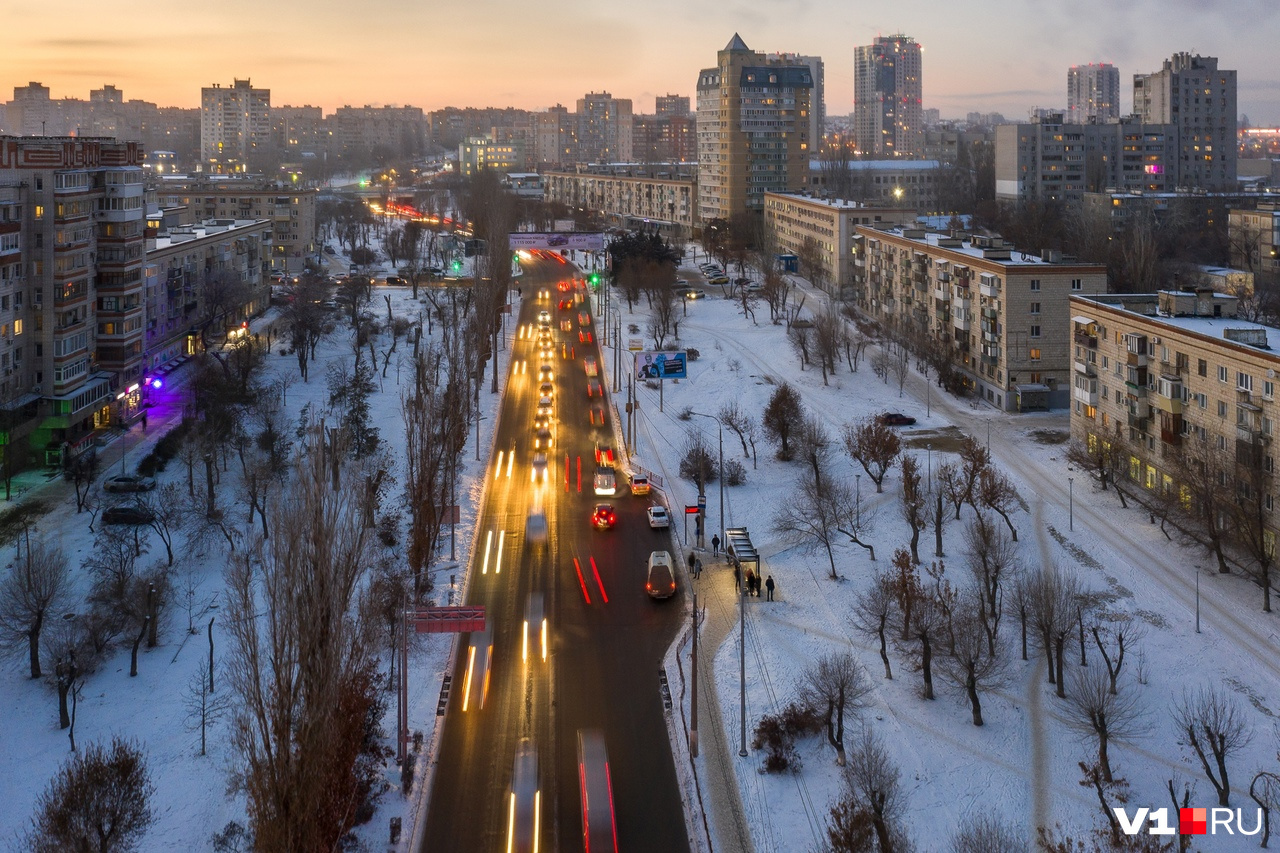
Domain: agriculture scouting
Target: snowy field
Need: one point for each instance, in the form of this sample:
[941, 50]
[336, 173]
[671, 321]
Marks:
[1022, 764]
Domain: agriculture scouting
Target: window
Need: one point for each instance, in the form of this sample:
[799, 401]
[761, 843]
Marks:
[1202, 367]
[1222, 373]
[1035, 307]
[1203, 400]
[1034, 353]
[1035, 331]
[1035, 287]
[1222, 408]
[1244, 381]
[1268, 389]
[1075, 284]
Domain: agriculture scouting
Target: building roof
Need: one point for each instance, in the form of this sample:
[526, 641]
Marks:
[881, 165]
[1214, 328]
[736, 43]
[934, 240]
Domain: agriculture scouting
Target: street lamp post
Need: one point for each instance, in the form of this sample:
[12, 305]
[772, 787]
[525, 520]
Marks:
[929, 450]
[1071, 503]
[720, 427]
[858, 499]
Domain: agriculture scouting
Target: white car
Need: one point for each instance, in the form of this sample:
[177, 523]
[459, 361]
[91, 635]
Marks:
[659, 517]
[544, 318]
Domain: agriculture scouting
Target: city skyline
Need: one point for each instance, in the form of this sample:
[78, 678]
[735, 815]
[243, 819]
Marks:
[1000, 56]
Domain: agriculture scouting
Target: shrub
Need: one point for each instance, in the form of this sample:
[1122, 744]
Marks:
[735, 474]
[166, 448]
[776, 733]
[697, 466]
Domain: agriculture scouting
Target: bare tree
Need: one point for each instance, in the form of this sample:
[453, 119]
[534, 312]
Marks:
[1104, 458]
[1216, 729]
[29, 593]
[873, 800]
[739, 421]
[986, 832]
[873, 613]
[1265, 791]
[814, 515]
[1054, 598]
[992, 558]
[972, 666]
[974, 459]
[812, 442]
[952, 485]
[100, 800]
[995, 492]
[1114, 638]
[833, 685]
[1204, 472]
[801, 336]
[915, 503]
[203, 706]
[1095, 712]
[828, 334]
[874, 446]
[81, 470]
[782, 417]
[928, 628]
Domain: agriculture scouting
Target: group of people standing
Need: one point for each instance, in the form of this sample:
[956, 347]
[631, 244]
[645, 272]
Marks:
[752, 579]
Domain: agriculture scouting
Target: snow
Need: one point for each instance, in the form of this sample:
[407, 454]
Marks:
[1021, 764]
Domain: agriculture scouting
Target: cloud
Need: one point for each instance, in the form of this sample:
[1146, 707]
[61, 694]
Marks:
[89, 43]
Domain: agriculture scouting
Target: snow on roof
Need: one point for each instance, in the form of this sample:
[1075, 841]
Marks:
[966, 247]
[881, 165]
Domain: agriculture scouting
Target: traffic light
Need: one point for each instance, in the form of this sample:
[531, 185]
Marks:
[594, 280]
[457, 266]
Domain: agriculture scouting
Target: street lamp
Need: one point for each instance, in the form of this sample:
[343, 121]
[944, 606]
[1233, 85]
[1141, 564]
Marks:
[1071, 503]
[720, 427]
[858, 499]
[929, 450]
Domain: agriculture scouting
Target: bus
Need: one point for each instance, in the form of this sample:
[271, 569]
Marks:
[599, 829]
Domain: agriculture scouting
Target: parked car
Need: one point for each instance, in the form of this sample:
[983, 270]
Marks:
[328, 250]
[660, 580]
[718, 279]
[128, 514]
[396, 281]
[693, 293]
[659, 517]
[896, 419]
[128, 483]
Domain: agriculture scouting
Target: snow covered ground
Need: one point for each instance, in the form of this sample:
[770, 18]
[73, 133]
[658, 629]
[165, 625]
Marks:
[1021, 764]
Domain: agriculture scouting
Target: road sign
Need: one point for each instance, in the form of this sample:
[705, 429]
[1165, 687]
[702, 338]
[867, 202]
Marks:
[702, 501]
[690, 510]
[635, 344]
[447, 620]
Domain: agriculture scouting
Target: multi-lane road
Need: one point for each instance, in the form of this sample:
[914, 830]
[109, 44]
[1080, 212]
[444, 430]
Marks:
[607, 637]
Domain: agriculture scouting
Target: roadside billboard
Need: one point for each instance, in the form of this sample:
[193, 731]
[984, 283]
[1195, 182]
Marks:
[583, 241]
[661, 365]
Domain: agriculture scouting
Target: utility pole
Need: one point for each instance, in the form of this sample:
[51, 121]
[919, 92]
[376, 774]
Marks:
[693, 702]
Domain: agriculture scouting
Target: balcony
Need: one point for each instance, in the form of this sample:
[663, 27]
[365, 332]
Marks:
[1086, 396]
[1172, 405]
[942, 292]
[989, 290]
[1085, 339]
[1136, 359]
[1138, 422]
[1087, 368]
[1136, 392]
[960, 320]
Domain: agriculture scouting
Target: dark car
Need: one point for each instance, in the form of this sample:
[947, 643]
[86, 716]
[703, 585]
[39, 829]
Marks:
[127, 515]
[127, 483]
[896, 419]
[328, 250]
[396, 281]
[604, 517]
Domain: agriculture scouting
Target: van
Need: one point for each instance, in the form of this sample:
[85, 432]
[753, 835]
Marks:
[660, 579]
[606, 482]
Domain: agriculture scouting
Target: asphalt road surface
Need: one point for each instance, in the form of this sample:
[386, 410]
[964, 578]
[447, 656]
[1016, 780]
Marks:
[607, 637]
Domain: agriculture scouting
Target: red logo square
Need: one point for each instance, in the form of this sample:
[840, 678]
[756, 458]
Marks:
[1193, 821]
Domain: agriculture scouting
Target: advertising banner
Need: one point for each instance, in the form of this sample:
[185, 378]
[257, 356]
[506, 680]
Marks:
[661, 365]
[584, 241]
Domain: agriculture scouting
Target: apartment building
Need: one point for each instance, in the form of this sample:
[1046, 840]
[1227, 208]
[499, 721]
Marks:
[911, 184]
[1254, 238]
[1003, 314]
[662, 197]
[888, 119]
[1161, 372]
[1093, 93]
[555, 138]
[1193, 94]
[194, 271]
[753, 130]
[664, 138]
[235, 122]
[398, 131]
[71, 313]
[481, 153]
[817, 96]
[831, 225]
[604, 129]
[292, 211]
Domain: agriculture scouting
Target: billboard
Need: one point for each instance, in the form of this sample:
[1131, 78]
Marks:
[661, 365]
[583, 241]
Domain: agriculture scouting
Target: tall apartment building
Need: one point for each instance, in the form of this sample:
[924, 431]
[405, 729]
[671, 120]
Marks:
[183, 263]
[1254, 239]
[72, 224]
[481, 153]
[1051, 160]
[555, 138]
[913, 185]
[831, 226]
[887, 91]
[298, 129]
[1093, 93]
[664, 139]
[671, 105]
[817, 96]
[1003, 314]
[604, 129]
[1162, 377]
[234, 122]
[291, 211]
[1193, 94]
[753, 130]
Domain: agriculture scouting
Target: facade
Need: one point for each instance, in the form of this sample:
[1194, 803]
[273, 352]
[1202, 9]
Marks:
[399, 131]
[911, 184]
[604, 129]
[1168, 373]
[480, 153]
[1254, 239]
[753, 130]
[291, 211]
[664, 138]
[298, 129]
[1003, 314]
[888, 118]
[817, 97]
[187, 264]
[661, 197]
[1199, 99]
[671, 105]
[1200, 210]
[71, 312]
[234, 122]
[555, 138]
[1051, 160]
[1093, 93]
[831, 224]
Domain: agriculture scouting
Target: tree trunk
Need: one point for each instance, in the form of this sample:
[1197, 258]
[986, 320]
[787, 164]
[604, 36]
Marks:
[133, 657]
[971, 685]
[937, 527]
[33, 644]
[64, 718]
[884, 653]
[1059, 643]
[1103, 760]
[926, 665]
[1022, 618]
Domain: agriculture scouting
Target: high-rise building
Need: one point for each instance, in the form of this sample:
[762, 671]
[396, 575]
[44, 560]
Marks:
[672, 105]
[753, 130]
[1093, 93]
[817, 97]
[72, 223]
[555, 138]
[400, 131]
[604, 129]
[1193, 94]
[887, 107]
[234, 122]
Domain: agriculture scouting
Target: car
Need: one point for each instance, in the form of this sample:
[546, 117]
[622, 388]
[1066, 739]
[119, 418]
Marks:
[547, 390]
[542, 438]
[606, 481]
[544, 401]
[596, 415]
[604, 454]
[396, 281]
[545, 351]
[524, 818]
[659, 518]
[128, 483]
[753, 287]
[435, 272]
[896, 419]
[584, 319]
[565, 304]
[594, 388]
[546, 373]
[590, 366]
[742, 281]
[599, 827]
[718, 279]
[539, 468]
[566, 325]
[535, 528]
[557, 240]
[128, 514]
[328, 250]
[604, 517]
[544, 295]
[639, 484]
[541, 421]
[584, 336]
[475, 684]
[535, 627]
[693, 293]
[660, 579]
[543, 411]
[544, 318]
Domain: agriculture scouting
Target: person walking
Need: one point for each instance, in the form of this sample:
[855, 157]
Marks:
[768, 585]
[697, 569]
[737, 576]
[715, 545]
[691, 559]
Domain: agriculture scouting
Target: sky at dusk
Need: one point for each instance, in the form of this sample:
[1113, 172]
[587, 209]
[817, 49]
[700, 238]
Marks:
[990, 55]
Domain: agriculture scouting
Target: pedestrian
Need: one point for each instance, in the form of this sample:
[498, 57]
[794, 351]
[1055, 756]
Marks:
[697, 568]
[691, 561]
[715, 545]
[746, 579]
[768, 585]
[144, 420]
[737, 576]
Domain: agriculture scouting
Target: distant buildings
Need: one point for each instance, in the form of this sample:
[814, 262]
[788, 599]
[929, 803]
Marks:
[753, 130]
[481, 153]
[1199, 100]
[910, 184]
[235, 122]
[604, 129]
[657, 197]
[887, 100]
[1093, 93]
[1253, 238]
